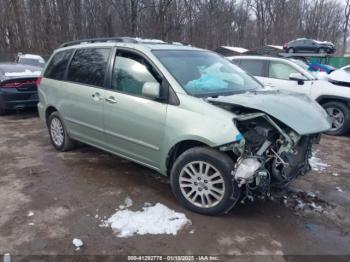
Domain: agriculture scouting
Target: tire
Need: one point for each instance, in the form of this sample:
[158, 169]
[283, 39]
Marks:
[343, 112]
[321, 50]
[55, 125]
[290, 50]
[217, 163]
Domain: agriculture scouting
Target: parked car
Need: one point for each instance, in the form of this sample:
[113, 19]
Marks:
[185, 112]
[346, 68]
[309, 45]
[18, 86]
[30, 59]
[290, 75]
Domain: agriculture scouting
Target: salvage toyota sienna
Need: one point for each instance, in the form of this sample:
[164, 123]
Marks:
[185, 112]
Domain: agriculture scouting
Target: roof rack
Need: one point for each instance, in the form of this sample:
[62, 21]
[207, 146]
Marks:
[101, 40]
[135, 40]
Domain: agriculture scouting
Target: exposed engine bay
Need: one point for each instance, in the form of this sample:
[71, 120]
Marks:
[270, 154]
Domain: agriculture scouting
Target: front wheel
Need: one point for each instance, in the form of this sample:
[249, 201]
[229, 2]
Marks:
[291, 50]
[201, 180]
[340, 116]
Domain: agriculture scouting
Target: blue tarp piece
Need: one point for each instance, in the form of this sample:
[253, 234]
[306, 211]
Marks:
[205, 82]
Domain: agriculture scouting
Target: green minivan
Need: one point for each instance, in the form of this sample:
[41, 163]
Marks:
[185, 112]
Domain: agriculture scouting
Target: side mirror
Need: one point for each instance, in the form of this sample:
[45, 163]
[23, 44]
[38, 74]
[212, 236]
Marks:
[297, 77]
[151, 90]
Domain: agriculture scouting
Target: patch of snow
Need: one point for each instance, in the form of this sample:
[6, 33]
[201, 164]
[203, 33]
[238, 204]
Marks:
[277, 46]
[128, 202]
[30, 214]
[315, 207]
[339, 189]
[157, 219]
[31, 224]
[311, 194]
[236, 49]
[316, 163]
[335, 174]
[77, 243]
[25, 73]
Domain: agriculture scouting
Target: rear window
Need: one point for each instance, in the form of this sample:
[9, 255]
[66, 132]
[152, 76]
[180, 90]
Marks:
[58, 65]
[254, 67]
[88, 66]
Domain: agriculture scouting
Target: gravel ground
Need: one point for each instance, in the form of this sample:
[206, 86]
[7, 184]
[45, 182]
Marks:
[48, 198]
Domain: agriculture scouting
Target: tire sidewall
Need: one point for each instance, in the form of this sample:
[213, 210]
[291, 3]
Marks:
[57, 116]
[232, 192]
[346, 111]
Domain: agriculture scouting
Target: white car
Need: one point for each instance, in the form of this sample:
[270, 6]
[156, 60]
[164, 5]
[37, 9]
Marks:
[29, 59]
[346, 68]
[292, 75]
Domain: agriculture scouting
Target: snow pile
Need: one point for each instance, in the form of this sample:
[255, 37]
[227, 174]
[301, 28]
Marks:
[157, 219]
[24, 73]
[316, 163]
[236, 49]
[77, 243]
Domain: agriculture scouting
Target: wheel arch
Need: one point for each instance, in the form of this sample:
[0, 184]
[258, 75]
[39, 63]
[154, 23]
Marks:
[330, 98]
[49, 110]
[177, 149]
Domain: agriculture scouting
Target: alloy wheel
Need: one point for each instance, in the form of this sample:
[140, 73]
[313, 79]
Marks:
[337, 117]
[57, 132]
[202, 184]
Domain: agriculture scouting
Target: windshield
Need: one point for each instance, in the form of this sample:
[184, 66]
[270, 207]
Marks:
[29, 61]
[202, 73]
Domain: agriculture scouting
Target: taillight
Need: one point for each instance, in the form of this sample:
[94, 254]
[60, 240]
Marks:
[38, 81]
[17, 84]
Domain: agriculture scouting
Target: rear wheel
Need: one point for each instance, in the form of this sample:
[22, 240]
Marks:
[321, 50]
[291, 50]
[340, 116]
[58, 133]
[201, 181]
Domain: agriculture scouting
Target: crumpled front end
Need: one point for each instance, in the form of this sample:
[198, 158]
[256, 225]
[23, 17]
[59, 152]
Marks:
[277, 132]
[269, 154]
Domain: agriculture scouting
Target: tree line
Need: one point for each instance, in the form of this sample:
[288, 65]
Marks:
[39, 26]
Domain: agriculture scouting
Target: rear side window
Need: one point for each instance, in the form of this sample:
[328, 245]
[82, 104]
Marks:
[254, 67]
[88, 66]
[58, 64]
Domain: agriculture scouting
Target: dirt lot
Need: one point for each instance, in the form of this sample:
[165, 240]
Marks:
[65, 191]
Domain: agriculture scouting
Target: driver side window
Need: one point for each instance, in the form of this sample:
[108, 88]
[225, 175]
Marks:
[280, 70]
[130, 73]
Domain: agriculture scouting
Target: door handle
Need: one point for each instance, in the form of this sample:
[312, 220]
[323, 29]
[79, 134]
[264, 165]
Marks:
[111, 100]
[96, 96]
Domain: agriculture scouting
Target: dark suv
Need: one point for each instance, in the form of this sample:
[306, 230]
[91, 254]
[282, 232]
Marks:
[309, 45]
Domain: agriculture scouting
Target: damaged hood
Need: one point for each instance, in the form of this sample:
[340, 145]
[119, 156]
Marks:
[297, 111]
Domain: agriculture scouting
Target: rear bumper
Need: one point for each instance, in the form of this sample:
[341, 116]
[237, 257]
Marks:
[13, 99]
